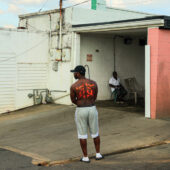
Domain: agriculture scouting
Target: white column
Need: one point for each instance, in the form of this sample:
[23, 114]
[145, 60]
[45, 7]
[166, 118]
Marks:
[147, 82]
[75, 52]
[75, 49]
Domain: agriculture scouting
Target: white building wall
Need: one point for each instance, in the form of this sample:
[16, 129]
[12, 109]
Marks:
[24, 66]
[7, 74]
[62, 79]
[31, 61]
[49, 22]
[129, 61]
[102, 64]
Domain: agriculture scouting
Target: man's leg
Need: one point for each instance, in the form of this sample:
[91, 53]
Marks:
[97, 144]
[83, 144]
[123, 92]
[118, 94]
[81, 122]
[94, 130]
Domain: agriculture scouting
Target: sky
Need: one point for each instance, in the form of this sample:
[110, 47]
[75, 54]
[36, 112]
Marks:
[10, 9]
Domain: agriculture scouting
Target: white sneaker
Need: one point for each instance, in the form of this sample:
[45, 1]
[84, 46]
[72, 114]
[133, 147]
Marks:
[99, 156]
[85, 159]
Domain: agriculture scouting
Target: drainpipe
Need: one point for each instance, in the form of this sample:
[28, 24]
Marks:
[114, 51]
[50, 33]
[60, 33]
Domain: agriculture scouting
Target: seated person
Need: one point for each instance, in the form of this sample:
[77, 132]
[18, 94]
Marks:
[116, 87]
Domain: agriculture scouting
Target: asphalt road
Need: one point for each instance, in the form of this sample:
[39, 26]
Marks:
[155, 158]
[48, 132]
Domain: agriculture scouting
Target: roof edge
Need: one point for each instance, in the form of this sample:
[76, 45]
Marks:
[38, 13]
[128, 10]
[22, 30]
[120, 21]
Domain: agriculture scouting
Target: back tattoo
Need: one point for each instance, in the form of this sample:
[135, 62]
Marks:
[85, 90]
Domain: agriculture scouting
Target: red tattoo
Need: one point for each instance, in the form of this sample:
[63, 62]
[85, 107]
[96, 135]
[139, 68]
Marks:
[85, 91]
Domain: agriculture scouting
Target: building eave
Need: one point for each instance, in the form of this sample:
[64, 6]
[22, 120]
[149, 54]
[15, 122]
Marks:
[153, 21]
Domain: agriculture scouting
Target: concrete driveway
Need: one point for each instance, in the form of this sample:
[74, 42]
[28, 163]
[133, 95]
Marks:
[47, 133]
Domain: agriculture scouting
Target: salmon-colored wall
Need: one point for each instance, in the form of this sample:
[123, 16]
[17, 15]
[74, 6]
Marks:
[159, 40]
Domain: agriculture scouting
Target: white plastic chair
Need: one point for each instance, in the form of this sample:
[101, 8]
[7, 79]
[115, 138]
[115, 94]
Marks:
[130, 85]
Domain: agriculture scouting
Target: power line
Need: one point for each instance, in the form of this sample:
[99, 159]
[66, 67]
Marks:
[136, 3]
[18, 55]
[77, 4]
[120, 4]
[43, 5]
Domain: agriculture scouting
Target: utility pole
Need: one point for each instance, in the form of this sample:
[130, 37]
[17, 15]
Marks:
[61, 4]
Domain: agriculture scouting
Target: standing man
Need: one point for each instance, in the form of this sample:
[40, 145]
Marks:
[116, 87]
[83, 93]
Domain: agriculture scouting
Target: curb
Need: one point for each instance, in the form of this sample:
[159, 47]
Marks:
[54, 163]
[42, 161]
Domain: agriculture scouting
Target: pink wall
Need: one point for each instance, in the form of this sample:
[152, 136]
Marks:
[159, 40]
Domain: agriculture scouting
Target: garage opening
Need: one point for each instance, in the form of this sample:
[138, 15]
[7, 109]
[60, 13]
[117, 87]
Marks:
[120, 51]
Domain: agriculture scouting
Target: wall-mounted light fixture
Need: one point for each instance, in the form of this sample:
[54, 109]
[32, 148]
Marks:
[128, 41]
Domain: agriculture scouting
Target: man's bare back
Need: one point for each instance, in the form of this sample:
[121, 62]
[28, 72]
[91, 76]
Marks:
[84, 92]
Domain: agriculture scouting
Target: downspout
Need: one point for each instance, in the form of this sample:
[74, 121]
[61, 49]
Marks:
[50, 41]
[114, 51]
[50, 32]
[60, 33]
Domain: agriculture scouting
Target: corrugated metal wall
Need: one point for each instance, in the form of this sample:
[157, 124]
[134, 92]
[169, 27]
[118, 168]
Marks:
[32, 76]
[7, 82]
[24, 66]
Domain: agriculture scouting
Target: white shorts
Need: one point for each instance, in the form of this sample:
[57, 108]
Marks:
[87, 117]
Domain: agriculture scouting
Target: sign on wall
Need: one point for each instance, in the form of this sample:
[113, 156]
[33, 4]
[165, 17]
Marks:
[89, 57]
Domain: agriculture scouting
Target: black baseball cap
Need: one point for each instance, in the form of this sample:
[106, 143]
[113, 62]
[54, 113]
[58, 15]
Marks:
[80, 69]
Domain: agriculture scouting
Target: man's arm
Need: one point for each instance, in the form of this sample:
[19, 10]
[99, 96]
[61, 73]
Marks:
[73, 96]
[111, 85]
[96, 92]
